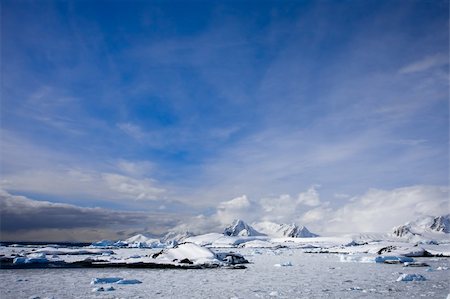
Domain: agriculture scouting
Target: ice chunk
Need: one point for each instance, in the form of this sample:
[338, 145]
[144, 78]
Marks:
[128, 281]
[356, 259]
[117, 280]
[231, 258]
[285, 264]
[411, 277]
[415, 264]
[394, 259]
[34, 258]
[274, 294]
[106, 280]
[377, 259]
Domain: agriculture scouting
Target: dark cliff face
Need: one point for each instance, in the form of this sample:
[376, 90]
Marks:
[441, 224]
[401, 231]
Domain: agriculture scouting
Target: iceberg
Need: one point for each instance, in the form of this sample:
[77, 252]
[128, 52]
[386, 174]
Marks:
[411, 277]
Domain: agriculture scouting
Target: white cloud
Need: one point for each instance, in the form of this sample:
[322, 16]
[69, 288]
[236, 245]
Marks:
[83, 183]
[27, 167]
[425, 64]
[140, 189]
[237, 208]
[310, 197]
[135, 168]
[315, 215]
[283, 208]
[375, 211]
[380, 210]
[132, 130]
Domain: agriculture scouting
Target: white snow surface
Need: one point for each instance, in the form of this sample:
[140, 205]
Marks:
[310, 276]
[348, 266]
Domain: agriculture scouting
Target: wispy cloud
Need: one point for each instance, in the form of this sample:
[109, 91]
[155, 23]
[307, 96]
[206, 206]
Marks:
[33, 169]
[133, 131]
[425, 64]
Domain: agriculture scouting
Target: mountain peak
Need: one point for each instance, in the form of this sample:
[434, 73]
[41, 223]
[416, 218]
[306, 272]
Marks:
[284, 230]
[176, 236]
[426, 224]
[240, 228]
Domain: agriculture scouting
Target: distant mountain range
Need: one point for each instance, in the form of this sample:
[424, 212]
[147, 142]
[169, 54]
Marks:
[425, 226]
[266, 228]
[293, 230]
[425, 229]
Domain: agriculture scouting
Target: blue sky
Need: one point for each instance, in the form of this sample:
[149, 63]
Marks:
[177, 107]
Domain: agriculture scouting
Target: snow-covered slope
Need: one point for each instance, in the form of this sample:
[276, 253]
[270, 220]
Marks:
[427, 227]
[140, 241]
[283, 230]
[240, 228]
[176, 237]
[138, 238]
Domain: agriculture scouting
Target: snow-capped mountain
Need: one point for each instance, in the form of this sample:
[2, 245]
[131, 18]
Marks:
[430, 227]
[142, 241]
[283, 230]
[140, 238]
[240, 228]
[177, 237]
[441, 224]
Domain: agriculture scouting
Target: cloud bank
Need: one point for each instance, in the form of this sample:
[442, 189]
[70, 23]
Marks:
[374, 211]
[22, 218]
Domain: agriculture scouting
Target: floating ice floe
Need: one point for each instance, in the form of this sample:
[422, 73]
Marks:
[285, 264]
[376, 259]
[415, 264]
[231, 258]
[106, 280]
[393, 259]
[356, 259]
[116, 280]
[128, 281]
[411, 277]
[34, 258]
